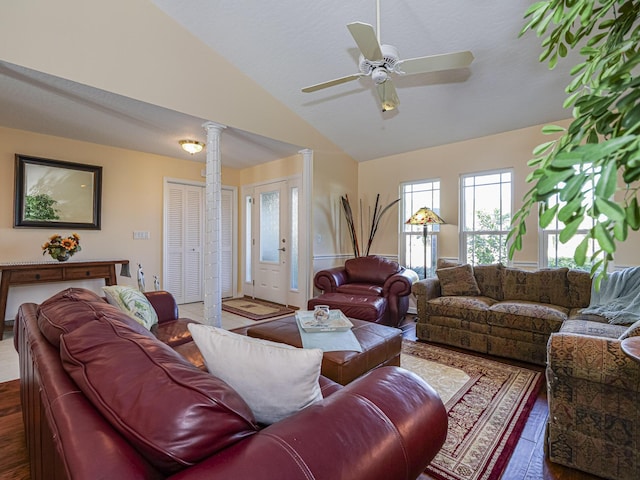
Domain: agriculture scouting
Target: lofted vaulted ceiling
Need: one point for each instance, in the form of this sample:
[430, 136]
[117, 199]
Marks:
[290, 44]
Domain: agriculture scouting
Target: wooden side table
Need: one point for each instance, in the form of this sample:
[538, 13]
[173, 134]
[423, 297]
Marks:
[46, 272]
[631, 347]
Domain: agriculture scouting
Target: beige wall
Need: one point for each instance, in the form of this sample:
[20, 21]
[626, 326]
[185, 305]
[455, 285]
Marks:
[132, 199]
[75, 40]
[447, 162]
[274, 170]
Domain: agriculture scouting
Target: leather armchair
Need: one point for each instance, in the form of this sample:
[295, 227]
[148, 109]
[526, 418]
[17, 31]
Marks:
[371, 276]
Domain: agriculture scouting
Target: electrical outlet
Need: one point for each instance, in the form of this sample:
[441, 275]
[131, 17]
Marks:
[138, 235]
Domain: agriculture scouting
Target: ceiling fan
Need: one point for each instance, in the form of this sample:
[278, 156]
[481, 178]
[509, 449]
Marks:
[380, 61]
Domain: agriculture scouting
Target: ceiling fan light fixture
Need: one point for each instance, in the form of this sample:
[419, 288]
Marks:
[191, 146]
[379, 75]
[387, 106]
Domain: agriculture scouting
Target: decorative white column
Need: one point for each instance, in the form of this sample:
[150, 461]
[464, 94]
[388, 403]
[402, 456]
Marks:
[212, 227]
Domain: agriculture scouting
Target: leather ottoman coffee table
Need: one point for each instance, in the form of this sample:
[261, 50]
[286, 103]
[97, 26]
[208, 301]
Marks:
[381, 345]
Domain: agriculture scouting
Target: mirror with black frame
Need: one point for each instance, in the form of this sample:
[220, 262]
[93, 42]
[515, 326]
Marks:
[56, 194]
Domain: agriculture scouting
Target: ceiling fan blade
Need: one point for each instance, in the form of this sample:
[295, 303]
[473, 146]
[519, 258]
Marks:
[365, 37]
[331, 83]
[434, 63]
[388, 95]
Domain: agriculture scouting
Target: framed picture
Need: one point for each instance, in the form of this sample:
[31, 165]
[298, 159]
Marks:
[56, 194]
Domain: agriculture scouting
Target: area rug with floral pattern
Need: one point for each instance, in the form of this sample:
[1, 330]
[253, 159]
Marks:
[255, 309]
[488, 403]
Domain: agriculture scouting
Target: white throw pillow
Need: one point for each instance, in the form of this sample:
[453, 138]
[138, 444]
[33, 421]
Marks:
[133, 303]
[276, 380]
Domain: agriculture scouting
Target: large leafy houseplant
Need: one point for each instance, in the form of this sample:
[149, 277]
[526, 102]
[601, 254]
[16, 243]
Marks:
[583, 162]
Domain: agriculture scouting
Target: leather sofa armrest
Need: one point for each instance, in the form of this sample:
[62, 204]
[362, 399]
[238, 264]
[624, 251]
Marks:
[164, 304]
[427, 289]
[329, 279]
[595, 359]
[389, 406]
[399, 284]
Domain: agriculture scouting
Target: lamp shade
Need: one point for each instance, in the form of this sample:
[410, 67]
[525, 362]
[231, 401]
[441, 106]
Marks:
[191, 146]
[424, 216]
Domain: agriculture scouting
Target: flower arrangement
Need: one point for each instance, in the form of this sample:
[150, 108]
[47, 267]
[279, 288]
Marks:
[62, 249]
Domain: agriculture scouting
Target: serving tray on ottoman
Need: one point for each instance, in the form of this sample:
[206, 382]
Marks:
[381, 345]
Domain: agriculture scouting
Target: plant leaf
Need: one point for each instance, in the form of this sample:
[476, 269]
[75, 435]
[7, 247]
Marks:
[570, 228]
[603, 237]
[606, 186]
[548, 215]
[580, 255]
[633, 214]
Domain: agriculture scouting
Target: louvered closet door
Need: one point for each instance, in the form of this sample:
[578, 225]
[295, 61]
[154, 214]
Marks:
[226, 274]
[184, 237]
[193, 240]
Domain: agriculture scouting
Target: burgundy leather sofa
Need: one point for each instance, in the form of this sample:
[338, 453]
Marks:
[103, 398]
[369, 288]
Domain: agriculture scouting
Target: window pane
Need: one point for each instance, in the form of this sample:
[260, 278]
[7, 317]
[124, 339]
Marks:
[294, 239]
[269, 226]
[247, 240]
[487, 203]
[486, 249]
[424, 193]
[561, 254]
[415, 254]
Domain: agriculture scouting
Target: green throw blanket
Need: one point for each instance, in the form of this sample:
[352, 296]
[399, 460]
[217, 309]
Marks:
[619, 297]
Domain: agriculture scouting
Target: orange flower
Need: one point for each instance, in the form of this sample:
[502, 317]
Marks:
[68, 243]
[58, 245]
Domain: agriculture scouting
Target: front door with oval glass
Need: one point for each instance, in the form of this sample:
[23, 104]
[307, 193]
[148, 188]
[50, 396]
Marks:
[272, 252]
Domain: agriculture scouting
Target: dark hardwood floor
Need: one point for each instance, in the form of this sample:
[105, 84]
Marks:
[14, 461]
[528, 461]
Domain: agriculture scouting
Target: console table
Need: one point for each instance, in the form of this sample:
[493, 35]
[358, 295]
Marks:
[43, 272]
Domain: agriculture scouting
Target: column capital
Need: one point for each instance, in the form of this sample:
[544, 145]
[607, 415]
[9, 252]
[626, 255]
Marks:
[213, 126]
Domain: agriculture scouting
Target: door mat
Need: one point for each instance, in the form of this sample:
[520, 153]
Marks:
[255, 309]
[488, 403]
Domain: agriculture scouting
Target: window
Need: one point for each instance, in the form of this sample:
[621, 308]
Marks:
[486, 205]
[417, 251]
[555, 254]
[248, 236]
[293, 235]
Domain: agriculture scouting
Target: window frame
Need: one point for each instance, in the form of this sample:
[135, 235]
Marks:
[466, 234]
[545, 234]
[405, 230]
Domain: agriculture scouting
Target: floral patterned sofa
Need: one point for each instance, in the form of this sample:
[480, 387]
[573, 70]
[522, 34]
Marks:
[536, 316]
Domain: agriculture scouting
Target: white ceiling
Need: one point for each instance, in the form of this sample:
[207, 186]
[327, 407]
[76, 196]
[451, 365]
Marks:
[290, 44]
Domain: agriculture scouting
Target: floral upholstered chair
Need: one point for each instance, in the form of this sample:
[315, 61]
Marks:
[593, 393]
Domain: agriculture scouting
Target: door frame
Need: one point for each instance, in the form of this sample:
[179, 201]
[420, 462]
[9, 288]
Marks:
[299, 296]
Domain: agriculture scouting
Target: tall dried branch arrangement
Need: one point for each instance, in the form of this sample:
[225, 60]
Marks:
[375, 217]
